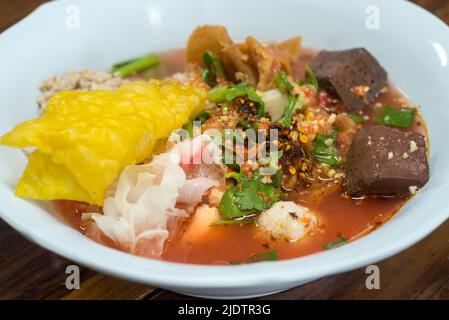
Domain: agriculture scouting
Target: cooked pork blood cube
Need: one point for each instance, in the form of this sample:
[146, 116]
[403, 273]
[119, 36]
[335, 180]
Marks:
[386, 161]
[353, 75]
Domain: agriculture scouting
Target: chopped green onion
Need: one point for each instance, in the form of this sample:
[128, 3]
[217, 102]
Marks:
[237, 176]
[189, 128]
[126, 68]
[325, 150]
[293, 103]
[336, 243]
[277, 178]
[202, 117]
[214, 68]
[402, 118]
[246, 124]
[222, 94]
[226, 222]
[282, 82]
[357, 118]
[312, 78]
[217, 94]
[122, 63]
[265, 256]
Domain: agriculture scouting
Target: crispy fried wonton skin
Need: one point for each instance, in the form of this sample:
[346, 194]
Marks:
[258, 63]
[84, 140]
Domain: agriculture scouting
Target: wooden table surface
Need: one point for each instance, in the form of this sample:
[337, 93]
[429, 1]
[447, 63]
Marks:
[30, 272]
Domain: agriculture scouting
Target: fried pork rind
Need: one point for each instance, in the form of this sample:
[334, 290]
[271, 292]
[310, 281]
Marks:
[263, 60]
[288, 51]
[85, 139]
[212, 38]
[257, 62]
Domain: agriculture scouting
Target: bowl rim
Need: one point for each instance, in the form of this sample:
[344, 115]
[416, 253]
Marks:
[167, 273]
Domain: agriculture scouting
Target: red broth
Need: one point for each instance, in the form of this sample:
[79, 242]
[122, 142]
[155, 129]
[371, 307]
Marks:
[338, 215]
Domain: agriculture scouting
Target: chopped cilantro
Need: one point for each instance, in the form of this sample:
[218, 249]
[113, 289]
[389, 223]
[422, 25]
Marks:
[249, 196]
[228, 205]
[277, 178]
[256, 195]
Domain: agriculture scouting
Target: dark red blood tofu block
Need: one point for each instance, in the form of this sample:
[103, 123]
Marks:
[386, 161]
[353, 75]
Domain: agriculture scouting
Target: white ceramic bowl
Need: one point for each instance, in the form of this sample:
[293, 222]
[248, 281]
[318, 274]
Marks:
[410, 43]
